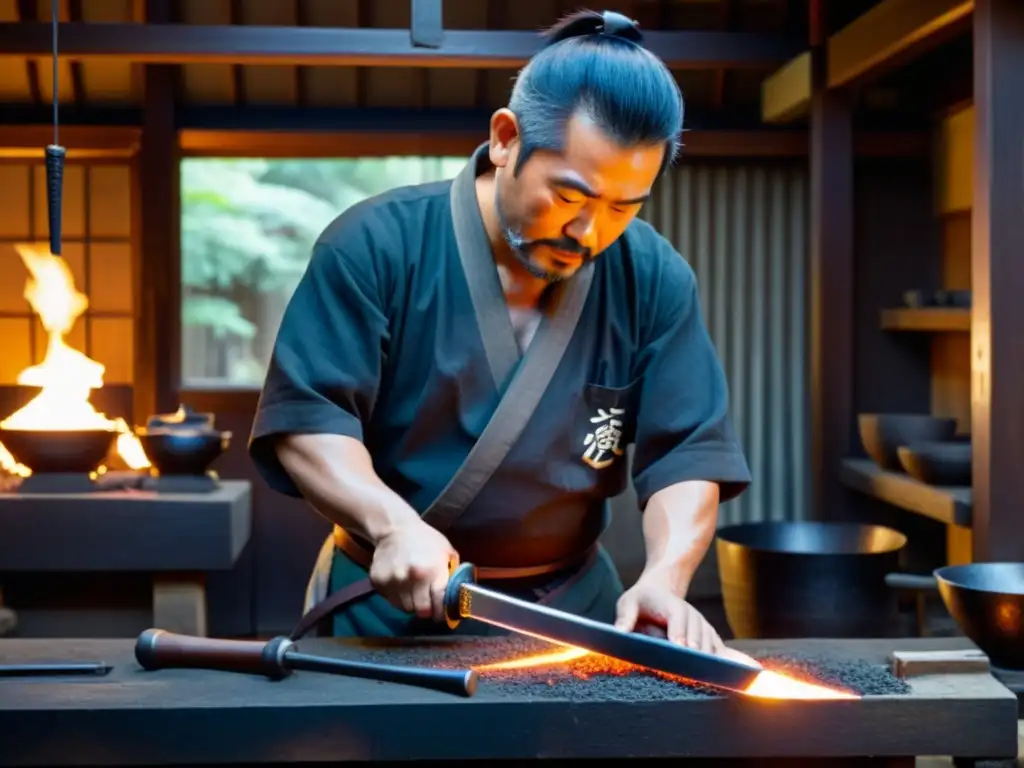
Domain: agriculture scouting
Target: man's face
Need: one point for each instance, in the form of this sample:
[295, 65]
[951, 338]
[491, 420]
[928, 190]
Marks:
[563, 209]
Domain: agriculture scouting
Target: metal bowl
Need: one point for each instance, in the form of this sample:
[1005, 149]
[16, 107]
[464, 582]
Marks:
[882, 434]
[941, 463]
[183, 451]
[58, 451]
[808, 579]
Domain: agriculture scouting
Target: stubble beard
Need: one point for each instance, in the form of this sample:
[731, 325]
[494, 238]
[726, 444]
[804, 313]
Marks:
[519, 246]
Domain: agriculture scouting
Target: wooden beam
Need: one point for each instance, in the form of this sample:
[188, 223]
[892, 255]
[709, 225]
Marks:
[199, 142]
[997, 281]
[891, 32]
[833, 420]
[426, 29]
[369, 141]
[314, 46]
[786, 95]
[81, 141]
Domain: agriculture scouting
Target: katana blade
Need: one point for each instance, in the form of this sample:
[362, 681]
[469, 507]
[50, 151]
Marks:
[465, 599]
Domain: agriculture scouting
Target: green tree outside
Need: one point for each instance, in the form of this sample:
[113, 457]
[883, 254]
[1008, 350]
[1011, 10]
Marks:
[247, 229]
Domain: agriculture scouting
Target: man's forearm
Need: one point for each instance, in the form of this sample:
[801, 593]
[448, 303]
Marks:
[679, 524]
[335, 475]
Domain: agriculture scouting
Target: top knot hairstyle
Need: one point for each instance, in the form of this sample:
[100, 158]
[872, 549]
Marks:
[594, 64]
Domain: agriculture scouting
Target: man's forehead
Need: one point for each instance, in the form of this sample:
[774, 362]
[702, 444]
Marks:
[603, 166]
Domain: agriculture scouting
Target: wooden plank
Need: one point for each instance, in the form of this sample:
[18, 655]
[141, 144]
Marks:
[947, 505]
[954, 149]
[891, 33]
[319, 718]
[831, 275]
[364, 47]
[997, 279]
[125, 531]
[926, 319]
[951, 352]
[947, 662]
[786, 95]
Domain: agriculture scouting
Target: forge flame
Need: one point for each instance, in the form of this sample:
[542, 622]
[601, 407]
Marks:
[66, 376]
[767, 685]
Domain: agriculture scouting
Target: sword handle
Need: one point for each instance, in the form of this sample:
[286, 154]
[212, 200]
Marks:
[453, 595]
[159, 649]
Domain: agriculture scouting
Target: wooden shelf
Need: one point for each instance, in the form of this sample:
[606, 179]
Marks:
[927, 319]
[947, 505]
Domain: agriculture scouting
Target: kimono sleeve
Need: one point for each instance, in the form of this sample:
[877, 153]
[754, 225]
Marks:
[684, 431]
[326, 364]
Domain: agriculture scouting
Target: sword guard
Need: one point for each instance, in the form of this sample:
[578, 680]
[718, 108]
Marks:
[464, 574]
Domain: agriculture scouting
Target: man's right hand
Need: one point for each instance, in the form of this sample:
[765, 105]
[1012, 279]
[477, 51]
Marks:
[410, 568]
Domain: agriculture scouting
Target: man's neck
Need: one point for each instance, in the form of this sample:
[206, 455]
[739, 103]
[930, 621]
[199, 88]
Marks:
[522, 290]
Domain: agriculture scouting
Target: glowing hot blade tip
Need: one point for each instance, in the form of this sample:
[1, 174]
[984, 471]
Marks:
[772, 685]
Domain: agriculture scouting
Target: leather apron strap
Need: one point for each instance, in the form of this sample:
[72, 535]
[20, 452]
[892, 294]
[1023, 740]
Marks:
[351, 593]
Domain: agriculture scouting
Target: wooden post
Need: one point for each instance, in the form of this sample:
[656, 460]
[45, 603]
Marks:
[8, 618]
[156, 235]
[179, 604]
[831, 278]
[997, 277]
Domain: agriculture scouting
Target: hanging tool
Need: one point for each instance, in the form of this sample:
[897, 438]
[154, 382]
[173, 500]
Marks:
[55, 153]
[278, 658]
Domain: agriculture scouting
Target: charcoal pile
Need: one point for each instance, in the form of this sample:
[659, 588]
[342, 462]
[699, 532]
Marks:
[598, 678]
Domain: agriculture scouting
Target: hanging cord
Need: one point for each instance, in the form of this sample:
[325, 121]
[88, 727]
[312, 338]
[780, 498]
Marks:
[56, 72]
[55, 152]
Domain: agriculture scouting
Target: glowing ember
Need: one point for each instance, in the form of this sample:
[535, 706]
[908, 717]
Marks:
[767, 685]
[65, 376]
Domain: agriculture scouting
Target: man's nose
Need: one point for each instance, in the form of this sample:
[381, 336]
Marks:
[583, 230]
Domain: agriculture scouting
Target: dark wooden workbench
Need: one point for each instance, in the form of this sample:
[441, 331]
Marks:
[133, 717]
[176, 537]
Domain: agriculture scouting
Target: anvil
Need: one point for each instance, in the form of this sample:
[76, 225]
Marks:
[465, 599]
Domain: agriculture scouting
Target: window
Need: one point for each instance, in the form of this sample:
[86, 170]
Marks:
[248, 226]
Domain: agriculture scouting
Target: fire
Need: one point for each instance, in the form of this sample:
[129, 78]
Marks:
[767, 685]
[65, 376]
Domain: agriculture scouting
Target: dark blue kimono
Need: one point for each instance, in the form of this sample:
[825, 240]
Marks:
[382, 342]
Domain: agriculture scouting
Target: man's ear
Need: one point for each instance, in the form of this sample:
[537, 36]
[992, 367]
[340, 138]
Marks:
[504, 137]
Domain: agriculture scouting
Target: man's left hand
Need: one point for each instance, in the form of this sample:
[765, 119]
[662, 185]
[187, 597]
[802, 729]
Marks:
[652, 604]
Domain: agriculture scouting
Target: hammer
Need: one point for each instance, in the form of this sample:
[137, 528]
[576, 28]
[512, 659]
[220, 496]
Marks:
[278, 658]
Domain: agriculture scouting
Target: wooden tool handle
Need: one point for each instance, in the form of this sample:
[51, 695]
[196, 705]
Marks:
[159, 649]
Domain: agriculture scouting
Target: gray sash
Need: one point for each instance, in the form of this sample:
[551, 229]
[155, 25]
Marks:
[530, 376]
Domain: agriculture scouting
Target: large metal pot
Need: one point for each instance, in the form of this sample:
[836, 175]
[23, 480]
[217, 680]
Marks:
[987, 602]
[808, 579]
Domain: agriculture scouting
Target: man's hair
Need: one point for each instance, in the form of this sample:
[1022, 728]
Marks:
[593, 65]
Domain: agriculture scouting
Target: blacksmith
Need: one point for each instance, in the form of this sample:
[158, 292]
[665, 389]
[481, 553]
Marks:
[462, 366]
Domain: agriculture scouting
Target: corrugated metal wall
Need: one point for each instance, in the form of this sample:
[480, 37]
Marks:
[743, 227]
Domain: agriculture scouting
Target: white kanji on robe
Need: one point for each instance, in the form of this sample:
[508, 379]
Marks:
[603, 442]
